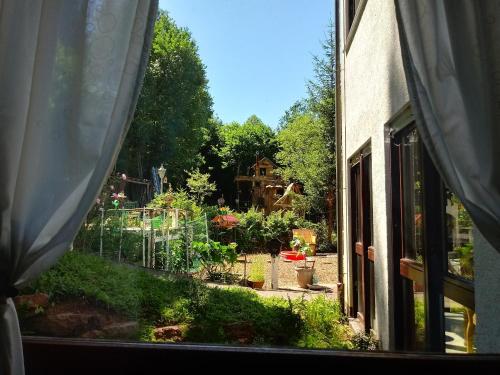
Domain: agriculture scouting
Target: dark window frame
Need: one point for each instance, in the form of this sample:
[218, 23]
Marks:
[363, 251]
[432, 273]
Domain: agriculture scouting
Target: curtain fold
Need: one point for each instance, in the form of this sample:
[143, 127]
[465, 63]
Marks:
[70, 77]
[451, 54]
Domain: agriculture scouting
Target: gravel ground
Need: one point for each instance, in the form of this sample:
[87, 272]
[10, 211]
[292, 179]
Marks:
[325, 274]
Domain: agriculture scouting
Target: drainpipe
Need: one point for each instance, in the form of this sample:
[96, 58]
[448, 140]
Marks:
[338, 161]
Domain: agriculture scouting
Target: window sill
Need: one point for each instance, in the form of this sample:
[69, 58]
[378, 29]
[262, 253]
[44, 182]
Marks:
[45, 355]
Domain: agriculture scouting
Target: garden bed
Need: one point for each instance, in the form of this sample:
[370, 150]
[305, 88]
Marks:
[183, 309]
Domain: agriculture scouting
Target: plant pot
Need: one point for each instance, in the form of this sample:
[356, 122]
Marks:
[304, 276]
[256, 284]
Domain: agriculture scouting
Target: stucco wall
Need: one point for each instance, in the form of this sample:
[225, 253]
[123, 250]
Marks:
[373, 91]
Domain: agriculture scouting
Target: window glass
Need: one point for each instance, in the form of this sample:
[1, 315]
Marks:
[412, 195]
[414, 297]
[460, 243]
[371, 266]
[460, 323]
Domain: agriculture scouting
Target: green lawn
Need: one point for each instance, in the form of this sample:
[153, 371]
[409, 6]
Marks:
[205, 314]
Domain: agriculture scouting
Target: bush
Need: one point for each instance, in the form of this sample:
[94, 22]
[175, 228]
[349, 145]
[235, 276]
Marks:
[323, 324]
[215, 257]
[205, 314]
[251, 231]
[362, 341]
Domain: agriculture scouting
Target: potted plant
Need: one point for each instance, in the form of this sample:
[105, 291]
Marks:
[258, 272]
[304, 272]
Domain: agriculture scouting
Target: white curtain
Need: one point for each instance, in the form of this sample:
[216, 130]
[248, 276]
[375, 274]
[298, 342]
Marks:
[451, 53]
[70, 76]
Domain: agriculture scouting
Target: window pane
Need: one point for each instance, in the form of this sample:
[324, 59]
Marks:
[359, 274]
[371, 266]
[412, 195]
[460, 242]
[460, 323]
[414, 315]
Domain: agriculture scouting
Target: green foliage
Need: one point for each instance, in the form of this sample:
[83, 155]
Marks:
[302, 157]
[420, 323]
[215, 257]
[199, 185]
[258, 268]
[205, 314]
[466, 258]
[250, 231]
[300, 244]
[323, 324]
[241, 142]
[76, 276]
[171, 122]
[362, 341]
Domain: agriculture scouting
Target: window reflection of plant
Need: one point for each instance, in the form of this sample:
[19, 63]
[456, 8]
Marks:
[419, 324]
[466, 259]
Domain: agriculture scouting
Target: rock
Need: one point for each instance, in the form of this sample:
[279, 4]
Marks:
[168, 333]
[242, 333]
[31, 304]
[121, 330]
[66, 324]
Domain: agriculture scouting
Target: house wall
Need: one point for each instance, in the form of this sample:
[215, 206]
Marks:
[373, 92]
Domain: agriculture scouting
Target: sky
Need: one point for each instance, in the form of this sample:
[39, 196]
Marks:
[258, 53]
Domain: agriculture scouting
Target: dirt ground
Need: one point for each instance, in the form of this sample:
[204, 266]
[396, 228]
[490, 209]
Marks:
[325, 274]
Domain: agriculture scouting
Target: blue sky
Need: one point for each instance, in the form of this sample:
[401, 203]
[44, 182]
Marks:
[258, 53]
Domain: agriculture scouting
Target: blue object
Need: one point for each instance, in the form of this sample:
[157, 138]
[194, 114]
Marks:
[156, 180]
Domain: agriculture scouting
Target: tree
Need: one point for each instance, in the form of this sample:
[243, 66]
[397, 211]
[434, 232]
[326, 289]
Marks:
[322, 101]
[240, 143]
[318, 111]
[199, 185]
[171, 121]
[302, 157]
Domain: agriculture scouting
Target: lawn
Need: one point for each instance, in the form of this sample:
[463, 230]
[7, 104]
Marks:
[194, 311]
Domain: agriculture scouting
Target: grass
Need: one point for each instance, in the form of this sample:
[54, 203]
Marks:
[205, 314]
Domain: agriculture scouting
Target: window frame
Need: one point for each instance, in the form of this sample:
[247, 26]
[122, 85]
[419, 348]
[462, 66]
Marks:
[352, 18]
[433, 272]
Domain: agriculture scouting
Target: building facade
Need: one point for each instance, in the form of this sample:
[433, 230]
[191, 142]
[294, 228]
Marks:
[408, 262]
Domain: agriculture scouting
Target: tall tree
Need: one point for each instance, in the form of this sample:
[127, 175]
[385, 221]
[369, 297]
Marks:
[171, 122]
[237, 149]
[302, 157]
[241, 142]
[322, 101]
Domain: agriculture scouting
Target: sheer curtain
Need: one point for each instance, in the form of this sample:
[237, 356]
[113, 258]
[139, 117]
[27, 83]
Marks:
[70, 76]
[451, 53]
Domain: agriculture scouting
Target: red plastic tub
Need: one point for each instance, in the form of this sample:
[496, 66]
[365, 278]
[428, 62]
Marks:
[292, 255]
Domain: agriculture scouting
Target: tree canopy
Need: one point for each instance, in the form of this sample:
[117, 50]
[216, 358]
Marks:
[241, 142]
[171, 121]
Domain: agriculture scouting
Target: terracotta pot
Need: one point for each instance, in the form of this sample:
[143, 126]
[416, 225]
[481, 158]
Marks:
[257, 284]
[304, 276]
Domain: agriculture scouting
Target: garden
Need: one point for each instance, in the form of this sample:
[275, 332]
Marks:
[188, 251]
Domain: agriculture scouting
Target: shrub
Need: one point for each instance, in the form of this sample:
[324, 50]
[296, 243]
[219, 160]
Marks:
[362, 341]
[205, 314]
[250, 231]
[323, 324]
[215, 257]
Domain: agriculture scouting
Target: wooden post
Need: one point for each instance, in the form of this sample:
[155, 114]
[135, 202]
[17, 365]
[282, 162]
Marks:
[274, 273]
